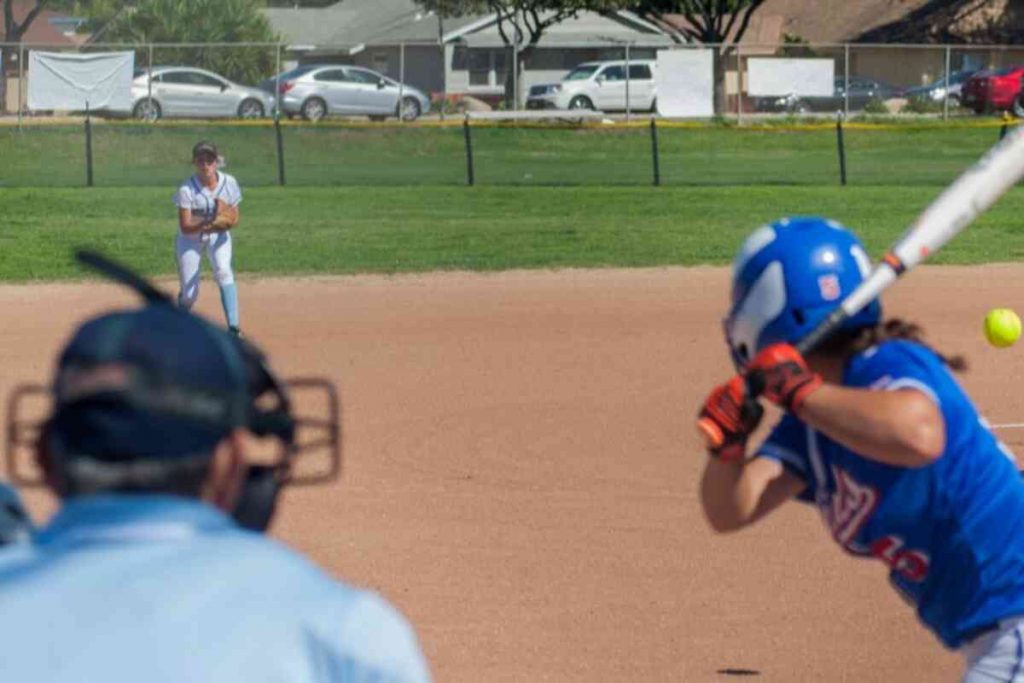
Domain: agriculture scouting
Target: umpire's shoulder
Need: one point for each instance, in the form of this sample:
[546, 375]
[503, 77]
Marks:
[354, 628]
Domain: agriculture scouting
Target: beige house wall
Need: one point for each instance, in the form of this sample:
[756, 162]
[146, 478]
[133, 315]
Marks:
[11, 94]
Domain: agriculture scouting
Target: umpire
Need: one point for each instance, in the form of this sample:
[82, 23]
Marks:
[147, 572]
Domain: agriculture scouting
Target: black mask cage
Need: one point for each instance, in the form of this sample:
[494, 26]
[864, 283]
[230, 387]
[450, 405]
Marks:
[299, 448]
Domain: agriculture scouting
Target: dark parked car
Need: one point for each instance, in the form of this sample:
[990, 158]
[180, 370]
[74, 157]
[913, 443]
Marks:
[862, 91]
[936, 90]
[988, 91]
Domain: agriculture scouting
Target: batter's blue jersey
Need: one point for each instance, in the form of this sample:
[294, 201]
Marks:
[951, 533]
[160, 588]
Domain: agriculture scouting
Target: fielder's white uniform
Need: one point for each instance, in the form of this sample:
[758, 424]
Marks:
[188, 249]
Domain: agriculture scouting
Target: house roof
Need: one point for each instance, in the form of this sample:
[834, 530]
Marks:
[352, 24]
[820, 21]
[955, 21]
[588, 29]
[48, 28]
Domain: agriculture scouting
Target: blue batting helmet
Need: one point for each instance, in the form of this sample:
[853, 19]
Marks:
[787, 278]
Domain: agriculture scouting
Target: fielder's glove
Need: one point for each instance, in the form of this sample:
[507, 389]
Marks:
[226, 217]
[727, 419]
[780, 374]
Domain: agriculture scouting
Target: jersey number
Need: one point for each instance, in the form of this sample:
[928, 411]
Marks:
[910, 564]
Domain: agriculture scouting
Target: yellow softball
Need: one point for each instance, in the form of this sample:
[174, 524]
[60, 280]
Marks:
[1002, 327]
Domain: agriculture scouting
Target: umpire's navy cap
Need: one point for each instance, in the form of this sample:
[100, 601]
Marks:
[151, 383]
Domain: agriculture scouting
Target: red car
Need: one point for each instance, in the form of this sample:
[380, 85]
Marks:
[988, 91]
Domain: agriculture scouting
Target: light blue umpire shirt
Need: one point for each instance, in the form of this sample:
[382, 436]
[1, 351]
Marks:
[164, 588]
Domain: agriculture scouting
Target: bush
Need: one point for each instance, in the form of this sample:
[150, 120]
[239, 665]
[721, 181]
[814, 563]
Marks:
[923, 105]
[876, 106]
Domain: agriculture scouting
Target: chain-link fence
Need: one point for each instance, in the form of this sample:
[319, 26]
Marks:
[489, 152]
[394, 113]
[407, 80]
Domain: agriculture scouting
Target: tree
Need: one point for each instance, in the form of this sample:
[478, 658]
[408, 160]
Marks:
[13, 32]
[200, 21]
[708, 22]
[520, 23]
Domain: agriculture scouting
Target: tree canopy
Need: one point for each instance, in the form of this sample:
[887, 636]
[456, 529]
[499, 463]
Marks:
[707, 21]
[200, 21]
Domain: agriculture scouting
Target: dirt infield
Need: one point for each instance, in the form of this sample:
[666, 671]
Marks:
[521, 470]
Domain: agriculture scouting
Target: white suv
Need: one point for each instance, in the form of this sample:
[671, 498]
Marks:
[599, 85]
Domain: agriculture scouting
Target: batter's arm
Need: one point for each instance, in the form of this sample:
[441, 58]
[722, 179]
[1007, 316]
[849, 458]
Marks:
[903, 427]
[734, 495]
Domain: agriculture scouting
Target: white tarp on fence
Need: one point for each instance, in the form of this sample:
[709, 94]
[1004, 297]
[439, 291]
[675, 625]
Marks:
[768, 77]
[685, 83]
[71, 81]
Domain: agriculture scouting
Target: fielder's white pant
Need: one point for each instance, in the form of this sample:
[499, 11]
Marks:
[189, 251]
[997, 655]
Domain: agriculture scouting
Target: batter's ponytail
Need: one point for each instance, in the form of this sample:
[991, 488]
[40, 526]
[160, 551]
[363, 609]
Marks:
[855, 341]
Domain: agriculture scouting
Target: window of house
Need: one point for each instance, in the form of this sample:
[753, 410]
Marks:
[478, 63]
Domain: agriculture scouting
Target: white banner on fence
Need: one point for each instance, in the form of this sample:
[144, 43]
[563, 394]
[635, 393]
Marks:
[71, 81]
[685, 83]
[770, 76]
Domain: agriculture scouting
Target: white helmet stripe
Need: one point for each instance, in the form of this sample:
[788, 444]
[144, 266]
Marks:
[758, 240]
[764, 302]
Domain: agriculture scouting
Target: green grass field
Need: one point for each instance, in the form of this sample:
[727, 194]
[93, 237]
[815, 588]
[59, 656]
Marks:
[406, 229]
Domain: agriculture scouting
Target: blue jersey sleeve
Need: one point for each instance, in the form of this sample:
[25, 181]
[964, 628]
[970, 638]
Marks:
[787, 444]
[896, 365]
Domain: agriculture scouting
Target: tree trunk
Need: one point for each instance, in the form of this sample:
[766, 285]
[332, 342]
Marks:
[6, 67]
[720, 61]
[511, 84]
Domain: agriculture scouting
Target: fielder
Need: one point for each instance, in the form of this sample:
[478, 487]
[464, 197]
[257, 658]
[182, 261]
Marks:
[154, 568]
[207, 210]
[877, 434]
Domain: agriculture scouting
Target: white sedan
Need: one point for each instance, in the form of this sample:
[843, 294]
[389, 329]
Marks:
[184, 91]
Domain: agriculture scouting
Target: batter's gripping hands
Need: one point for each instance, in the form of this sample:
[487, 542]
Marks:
[728, 417]
[780, 374]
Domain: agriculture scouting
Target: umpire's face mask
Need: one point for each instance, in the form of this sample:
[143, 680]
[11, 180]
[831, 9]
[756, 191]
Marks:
[256, 505]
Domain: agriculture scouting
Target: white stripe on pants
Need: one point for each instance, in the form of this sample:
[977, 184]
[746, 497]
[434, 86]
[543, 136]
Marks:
[188, 250]
[997, 655]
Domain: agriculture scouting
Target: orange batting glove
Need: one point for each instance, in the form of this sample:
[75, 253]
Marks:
[780, 374]
[728, 417]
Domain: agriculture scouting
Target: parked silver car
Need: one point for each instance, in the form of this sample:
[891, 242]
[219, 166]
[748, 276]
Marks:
[316, 91]
[190, 92]
[599, 85]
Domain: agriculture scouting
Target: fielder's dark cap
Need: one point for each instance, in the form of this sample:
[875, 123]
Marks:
[205, 148]
[151, 383]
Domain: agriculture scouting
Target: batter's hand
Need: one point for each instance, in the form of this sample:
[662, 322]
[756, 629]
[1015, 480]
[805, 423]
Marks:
[780, 374]
[728, 417]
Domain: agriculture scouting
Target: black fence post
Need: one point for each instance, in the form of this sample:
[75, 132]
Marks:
[469, 151]
[842, 149]
[88, 147]
[280, 150]
[654, 152]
